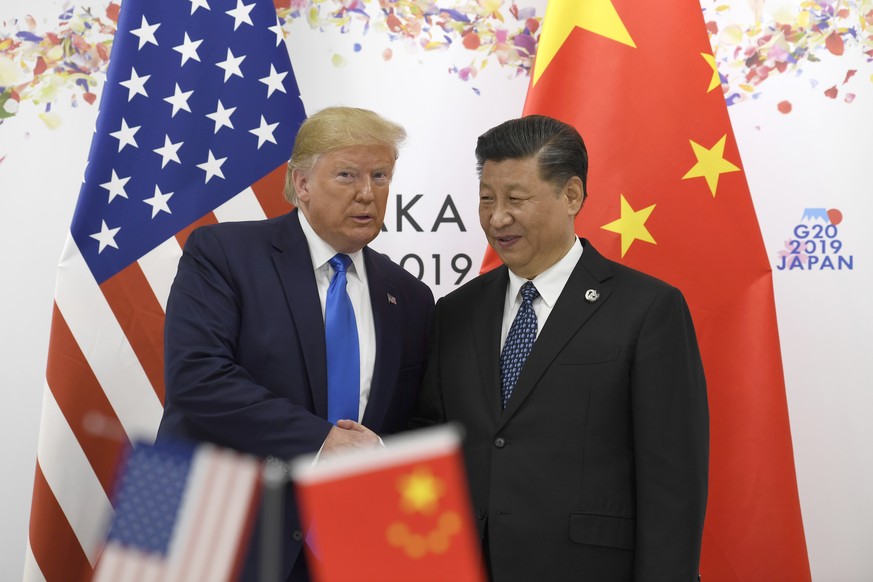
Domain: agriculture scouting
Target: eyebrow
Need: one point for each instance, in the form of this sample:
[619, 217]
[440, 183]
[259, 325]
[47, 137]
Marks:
[515, 186]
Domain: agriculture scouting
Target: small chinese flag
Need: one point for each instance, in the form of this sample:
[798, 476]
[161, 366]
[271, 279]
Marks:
[668, 195]
[396, 513]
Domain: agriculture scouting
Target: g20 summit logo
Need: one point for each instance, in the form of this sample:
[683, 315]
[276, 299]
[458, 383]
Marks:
[816, 244]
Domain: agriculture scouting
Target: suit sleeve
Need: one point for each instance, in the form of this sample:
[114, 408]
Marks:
[208, 392]
[671, 442]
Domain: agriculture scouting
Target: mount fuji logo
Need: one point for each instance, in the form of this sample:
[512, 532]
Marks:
[815, 244]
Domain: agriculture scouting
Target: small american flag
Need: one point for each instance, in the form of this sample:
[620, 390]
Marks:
[199, 105]
[181, 514]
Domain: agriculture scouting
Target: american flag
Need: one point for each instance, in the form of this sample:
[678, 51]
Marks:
[199, 106]
[181, 514]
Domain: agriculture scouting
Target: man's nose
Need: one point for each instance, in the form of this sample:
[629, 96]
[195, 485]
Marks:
[365, 192]
[500, 216]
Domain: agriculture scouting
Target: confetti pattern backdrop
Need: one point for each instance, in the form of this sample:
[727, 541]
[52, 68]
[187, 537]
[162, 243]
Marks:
[797, 76]
[64, 59]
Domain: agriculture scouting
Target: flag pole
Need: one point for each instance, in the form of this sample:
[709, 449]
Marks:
[275, 478]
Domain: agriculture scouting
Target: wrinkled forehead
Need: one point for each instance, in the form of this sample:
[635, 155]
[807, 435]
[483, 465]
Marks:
[510, 173]
[363, 155]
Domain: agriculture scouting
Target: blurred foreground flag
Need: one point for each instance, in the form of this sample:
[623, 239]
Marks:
[396, 513]
[181, 514]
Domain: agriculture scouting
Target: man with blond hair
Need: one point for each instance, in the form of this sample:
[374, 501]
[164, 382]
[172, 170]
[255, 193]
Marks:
[290, 336]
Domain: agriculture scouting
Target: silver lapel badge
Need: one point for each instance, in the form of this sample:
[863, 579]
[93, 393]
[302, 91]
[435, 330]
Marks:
[592, 295]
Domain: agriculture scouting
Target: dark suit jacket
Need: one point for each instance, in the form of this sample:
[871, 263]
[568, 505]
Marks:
[597, 468]
[245, 351]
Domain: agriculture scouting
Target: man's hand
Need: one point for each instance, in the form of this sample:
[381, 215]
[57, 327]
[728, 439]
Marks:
[348, 435]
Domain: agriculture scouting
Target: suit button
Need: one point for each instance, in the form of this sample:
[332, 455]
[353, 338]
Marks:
[481, 514]
[500, 442]
[297, 535]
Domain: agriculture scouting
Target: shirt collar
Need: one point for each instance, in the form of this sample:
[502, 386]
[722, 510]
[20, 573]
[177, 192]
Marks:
[320, 252]
[550, 282]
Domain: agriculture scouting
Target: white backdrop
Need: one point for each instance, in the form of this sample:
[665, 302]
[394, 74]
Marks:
[816, 156]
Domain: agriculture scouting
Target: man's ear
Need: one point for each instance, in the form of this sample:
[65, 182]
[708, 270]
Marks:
[575, 194]
[300, 179]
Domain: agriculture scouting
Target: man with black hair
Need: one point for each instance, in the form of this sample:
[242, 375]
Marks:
[578, 382]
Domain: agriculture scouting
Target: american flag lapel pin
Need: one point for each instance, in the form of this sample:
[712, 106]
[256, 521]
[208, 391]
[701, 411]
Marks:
[391, 299]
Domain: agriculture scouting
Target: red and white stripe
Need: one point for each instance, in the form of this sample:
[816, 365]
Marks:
[105, 388]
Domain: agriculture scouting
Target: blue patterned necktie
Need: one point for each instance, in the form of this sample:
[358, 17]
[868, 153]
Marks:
[519, 341]
[341, 338]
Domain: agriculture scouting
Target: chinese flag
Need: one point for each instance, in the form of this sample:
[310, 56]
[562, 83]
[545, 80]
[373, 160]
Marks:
[668, 196]
[396, 513]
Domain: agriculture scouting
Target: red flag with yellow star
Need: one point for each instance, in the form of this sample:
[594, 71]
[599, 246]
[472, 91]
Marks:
[668, 195]
[401, 512]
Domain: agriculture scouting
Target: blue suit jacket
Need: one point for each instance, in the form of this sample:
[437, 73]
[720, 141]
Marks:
[244, 346]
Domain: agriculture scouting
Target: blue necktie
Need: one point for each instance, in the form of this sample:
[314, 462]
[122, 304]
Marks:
[341, 338]
[519, 341]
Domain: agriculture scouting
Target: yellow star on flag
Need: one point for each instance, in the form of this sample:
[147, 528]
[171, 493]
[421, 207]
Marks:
[631, 226]
[420, 491]
[716, 80]
[562, 16]
[710, 163]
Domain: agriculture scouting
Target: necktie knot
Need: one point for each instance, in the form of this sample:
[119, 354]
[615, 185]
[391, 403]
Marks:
[529, 293]
[340, 262]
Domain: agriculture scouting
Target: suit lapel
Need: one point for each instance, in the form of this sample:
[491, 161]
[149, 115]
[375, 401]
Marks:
[294, 266]
[386, 320]
[487, 318]
[571, 311]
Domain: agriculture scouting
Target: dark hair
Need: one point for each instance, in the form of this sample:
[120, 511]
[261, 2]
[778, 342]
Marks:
[557, 146]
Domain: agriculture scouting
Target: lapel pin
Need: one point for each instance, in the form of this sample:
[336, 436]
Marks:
[391, 299]
[592, 295]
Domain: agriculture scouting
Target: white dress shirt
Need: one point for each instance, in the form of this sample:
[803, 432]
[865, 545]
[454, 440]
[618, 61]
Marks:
[359, 292]
[550, 283]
